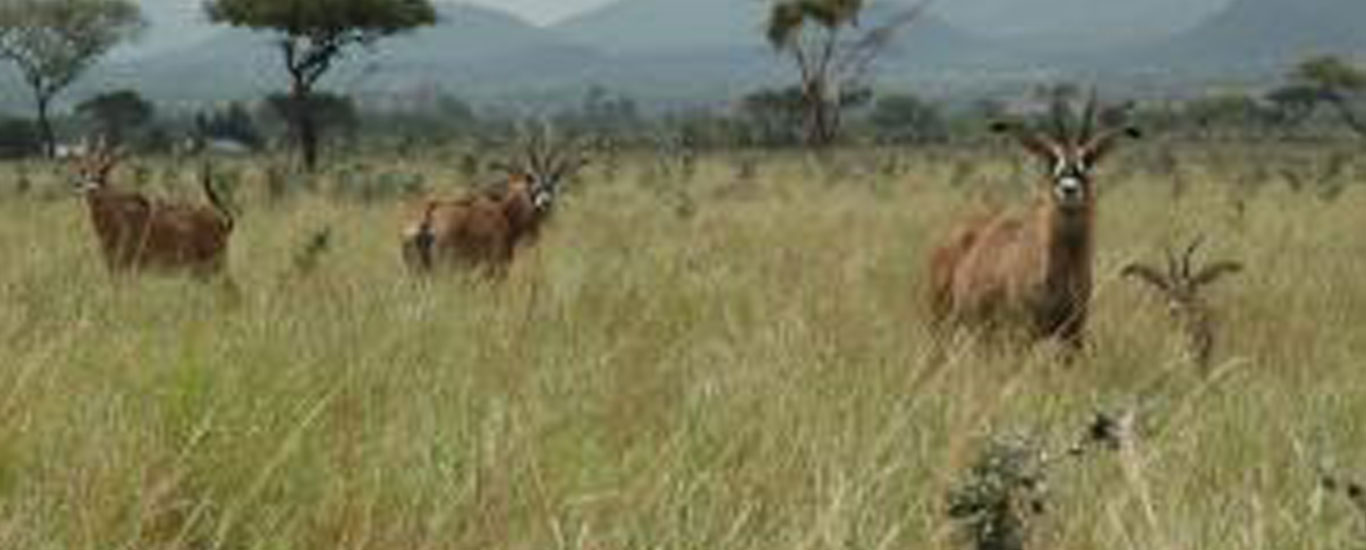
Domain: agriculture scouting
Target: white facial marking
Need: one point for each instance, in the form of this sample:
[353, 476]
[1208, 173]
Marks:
[87, 183]
[541, 198]
[1070, 190]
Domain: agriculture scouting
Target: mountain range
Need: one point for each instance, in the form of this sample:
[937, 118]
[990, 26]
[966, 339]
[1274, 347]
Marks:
[712, 49]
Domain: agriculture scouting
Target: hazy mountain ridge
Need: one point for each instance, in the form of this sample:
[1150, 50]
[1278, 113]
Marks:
[173, 25]
[1089, 22]
[698, 49]
[1264, 34]
[468, 44]
[654, 34]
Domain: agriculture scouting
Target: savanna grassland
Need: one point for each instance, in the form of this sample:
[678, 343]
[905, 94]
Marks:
[731, 354]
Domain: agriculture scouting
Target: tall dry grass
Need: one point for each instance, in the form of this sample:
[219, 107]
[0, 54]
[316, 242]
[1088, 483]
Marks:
[738, 360]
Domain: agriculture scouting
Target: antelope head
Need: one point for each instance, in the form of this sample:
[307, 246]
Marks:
[1069, 155]
[93, 168]
[1182, 281]
[544, 169]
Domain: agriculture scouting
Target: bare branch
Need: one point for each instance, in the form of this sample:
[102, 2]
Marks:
[863, 53]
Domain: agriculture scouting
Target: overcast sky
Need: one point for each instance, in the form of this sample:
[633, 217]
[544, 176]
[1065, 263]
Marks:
[542, 11]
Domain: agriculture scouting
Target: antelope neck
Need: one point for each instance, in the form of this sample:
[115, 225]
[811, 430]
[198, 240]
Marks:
[1068, 242]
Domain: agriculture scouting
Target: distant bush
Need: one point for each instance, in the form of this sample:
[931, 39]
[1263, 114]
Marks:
[19, 138]
[904, 118]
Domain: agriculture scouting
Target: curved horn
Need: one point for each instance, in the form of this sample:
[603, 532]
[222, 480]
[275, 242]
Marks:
[1189, 256]
[1147, 275]
[533, 149]
[1035, 142]
[1215, 272]
[1088, 117]
[1060, 111]
[552, 150]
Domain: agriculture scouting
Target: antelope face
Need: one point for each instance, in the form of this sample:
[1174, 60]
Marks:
[1069, 155]
[1071, 180]
[88, 177]
[542, 191]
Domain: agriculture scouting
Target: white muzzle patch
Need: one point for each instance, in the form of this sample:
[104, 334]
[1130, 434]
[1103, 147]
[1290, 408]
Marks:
[542, 199]
[1070, 190]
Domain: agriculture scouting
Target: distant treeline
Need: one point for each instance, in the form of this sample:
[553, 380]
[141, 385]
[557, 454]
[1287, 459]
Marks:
[763, 119]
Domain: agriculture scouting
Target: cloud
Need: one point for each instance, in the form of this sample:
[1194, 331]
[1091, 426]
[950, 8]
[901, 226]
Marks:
[543, 11]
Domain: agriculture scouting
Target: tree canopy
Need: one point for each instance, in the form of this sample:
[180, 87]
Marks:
[833, 68]
[340, 22]
[1331, 73]
[315, 34]
[117, 112]
[790, 16]
[1339, 83]
[53, 42]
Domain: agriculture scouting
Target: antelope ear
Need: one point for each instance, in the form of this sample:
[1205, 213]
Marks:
[1032, 141]
[568, 168]
[1217, 271]
[1102, 145]
[500, 166]
[1147, 275]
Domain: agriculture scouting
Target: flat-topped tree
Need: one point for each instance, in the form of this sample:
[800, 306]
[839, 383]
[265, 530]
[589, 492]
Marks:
[834, 56]
[53, 42]
[1339, 83]
[315, 34]
[117, 113]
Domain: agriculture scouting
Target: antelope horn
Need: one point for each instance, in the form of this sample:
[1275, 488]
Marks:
[1060, 127]
[1190, 255]
[533, 150]
[554, 151]
[1173, 265]
[1088, 117]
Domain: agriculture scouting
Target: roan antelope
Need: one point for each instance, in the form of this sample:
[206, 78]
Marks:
[1031, 272]
[484, 229]
[137, 233]
[1181, 284]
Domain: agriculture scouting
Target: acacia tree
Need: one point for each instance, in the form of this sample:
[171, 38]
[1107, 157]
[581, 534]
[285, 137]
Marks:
[315, 34]
[116, 113]
[53, 42]
[1338, 83]
[832, 54]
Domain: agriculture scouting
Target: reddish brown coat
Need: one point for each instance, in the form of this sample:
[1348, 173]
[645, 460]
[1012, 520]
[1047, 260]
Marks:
[1028, 272]
[480, 230]
[136, 232]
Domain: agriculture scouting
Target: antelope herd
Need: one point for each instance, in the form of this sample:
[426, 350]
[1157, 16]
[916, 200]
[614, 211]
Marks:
[1027, 274]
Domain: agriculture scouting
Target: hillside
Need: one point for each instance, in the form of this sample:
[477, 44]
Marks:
[1094, 22]
[172, 25]
[726, 31]
[479, 48]
[649, 27]
[706, 50]
[468, 47]
[486, 53]
[1260, 34]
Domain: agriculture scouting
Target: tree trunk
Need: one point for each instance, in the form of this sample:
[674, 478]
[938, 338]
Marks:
[305, 127]
[46, 132]
[821, 124]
